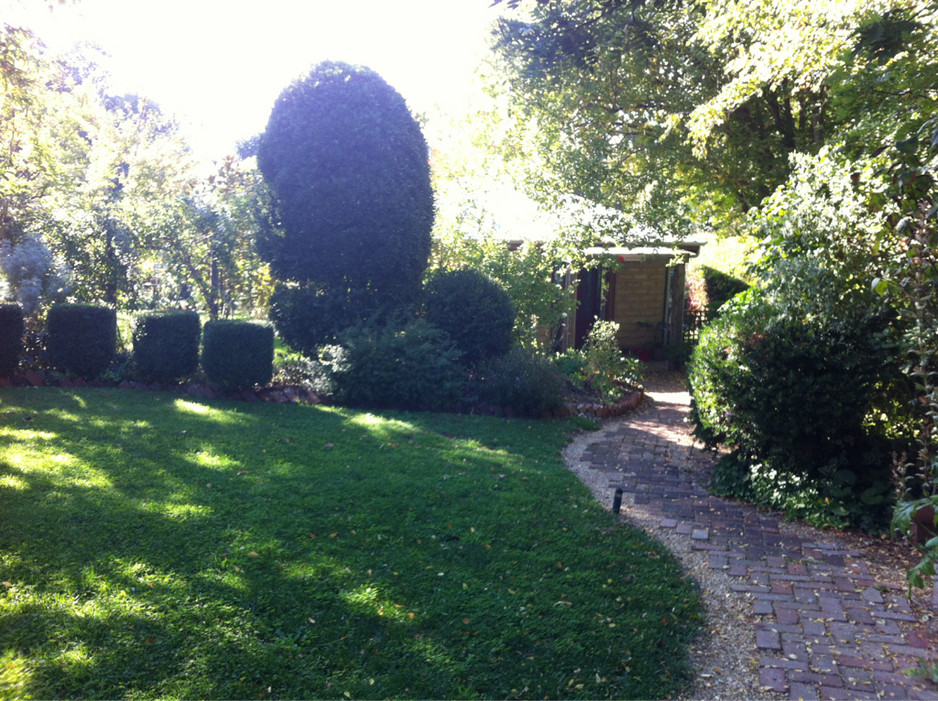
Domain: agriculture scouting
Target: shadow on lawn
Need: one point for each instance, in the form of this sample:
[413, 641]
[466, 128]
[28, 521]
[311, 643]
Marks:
[147, 559]
[220, 550]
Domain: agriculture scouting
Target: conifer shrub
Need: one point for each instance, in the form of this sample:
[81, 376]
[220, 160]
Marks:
[81, 338]
[12, 326]
[166, 344]
[414, 366]
[474, 310]
[237, 354]
[348, 169]
[522, 381]
[307, 318]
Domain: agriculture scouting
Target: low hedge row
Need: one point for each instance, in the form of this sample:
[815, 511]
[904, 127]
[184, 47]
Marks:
[81, 339]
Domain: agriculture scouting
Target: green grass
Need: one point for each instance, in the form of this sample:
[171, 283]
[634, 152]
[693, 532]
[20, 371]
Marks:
[157, 546]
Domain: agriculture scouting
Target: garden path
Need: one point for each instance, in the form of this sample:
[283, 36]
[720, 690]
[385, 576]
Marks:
[804, 613]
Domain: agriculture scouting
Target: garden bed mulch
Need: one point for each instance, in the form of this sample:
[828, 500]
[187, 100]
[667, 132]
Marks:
[281, 394]
[295, 394]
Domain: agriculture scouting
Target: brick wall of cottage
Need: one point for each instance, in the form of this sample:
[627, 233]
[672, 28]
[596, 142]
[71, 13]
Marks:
[639, 303]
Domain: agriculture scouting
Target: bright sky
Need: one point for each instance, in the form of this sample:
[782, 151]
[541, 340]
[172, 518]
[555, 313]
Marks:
[218, 65]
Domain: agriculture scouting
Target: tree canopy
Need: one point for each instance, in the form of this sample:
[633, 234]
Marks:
[99, 195]
[676, 109]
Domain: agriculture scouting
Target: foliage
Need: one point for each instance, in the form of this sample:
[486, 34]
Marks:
[473, 310]
[693, 110]
[193, 549]
[348, 168]
[31, 274]
[309, 317]
[237, 354]
[719, 288]
[166, 344]
[522, 382]
[11, 338]
[81, 338]
[789, 380]
[291, 368]
[603, 369]
[909, 283]
[530, 274]
[665, 108]
[211, 251]
[387, 366]
[100, 201]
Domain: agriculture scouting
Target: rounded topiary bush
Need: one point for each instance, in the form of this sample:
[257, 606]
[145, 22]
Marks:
[474, 310]
[12, 327]
[166, 344]
[414, 367]
[81, 338]
[237, 354]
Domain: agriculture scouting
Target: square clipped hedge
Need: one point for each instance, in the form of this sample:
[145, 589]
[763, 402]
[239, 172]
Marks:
[237, 354]
[166, 344]
[12, 327]
[81, 338]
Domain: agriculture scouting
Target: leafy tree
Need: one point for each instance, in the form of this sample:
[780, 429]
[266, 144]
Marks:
[99, 201]
[212, 258]
[693, 109]
[348, 168]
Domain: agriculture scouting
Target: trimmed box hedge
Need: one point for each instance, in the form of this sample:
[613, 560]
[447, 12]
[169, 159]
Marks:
[81, 338]
[237, 354]
[166, 344]
[12, 327]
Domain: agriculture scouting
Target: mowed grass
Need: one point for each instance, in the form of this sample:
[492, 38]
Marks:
[158, 546]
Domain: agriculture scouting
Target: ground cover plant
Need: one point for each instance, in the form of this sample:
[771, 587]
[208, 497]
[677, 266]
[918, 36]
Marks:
[156, 546]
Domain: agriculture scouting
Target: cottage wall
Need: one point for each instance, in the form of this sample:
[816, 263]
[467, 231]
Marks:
[639, 300]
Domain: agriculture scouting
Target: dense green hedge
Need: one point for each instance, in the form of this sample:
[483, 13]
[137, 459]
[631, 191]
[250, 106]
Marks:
[237, 354]
[11, 337]
[792, 390]
[166, 344]
[81, 338]
[720, 288]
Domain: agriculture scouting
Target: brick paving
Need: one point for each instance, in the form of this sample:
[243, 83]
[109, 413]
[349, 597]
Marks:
[824, 627]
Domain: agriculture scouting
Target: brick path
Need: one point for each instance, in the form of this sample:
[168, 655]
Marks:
[824, 628]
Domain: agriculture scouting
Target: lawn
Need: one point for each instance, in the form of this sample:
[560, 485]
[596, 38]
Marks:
[157, 546]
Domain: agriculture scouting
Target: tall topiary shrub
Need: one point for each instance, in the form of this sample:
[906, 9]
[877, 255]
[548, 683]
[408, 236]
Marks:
[348, 169]
[474, 310]
[166, 344]
[12, 327]
[81, 338]
[308, 317]
[237, 354]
